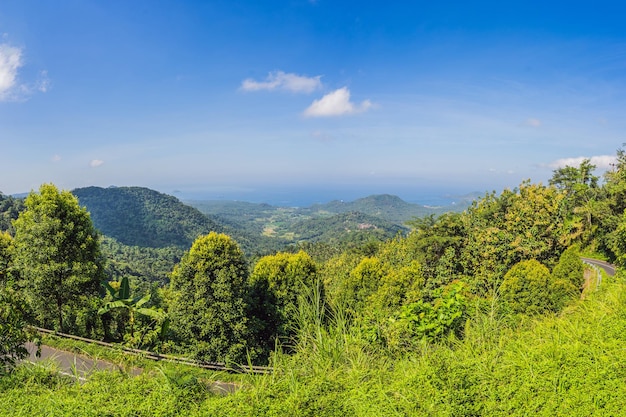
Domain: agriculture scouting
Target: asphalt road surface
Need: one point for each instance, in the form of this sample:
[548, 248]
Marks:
[608, 268]
[80, 366]
[72, 364]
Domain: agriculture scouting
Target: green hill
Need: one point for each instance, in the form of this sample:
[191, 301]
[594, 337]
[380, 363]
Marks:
[384, 206]
[137, 216]
[344, 227]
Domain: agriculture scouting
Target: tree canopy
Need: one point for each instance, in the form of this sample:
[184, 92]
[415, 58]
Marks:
[57, 255]
[209, 309]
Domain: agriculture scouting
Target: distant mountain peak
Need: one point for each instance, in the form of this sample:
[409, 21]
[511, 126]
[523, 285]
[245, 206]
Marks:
[382, 199]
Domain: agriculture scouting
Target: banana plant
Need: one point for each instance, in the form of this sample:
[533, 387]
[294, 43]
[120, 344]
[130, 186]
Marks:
[120, 292]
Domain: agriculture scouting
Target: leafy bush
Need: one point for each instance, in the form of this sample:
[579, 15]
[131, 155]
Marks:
[278, 281]
[528, 287]
[424, 321]
[13, 333]
[570, 268]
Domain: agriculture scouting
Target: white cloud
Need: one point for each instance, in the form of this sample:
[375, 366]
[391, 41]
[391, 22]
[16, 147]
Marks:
[284, 81]
[10, 62]
[336, 103]
[601, 161]
[96, 163]
[56, 158]
[533, 122]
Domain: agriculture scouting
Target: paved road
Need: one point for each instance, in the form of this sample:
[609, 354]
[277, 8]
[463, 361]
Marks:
[81, 366]
[73, 364]
[608, 268]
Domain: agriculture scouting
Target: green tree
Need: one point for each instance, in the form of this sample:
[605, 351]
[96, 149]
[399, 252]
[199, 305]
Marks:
[6, 241]
[432, 237]
[534, 222]
[528, 287]
[570, 268]
[399, 285]
[582, 203]
[57, 255]
[335, 274]
[518, 225]
[13, 333]
[617, 240]
[615, 184]
[612, 230]
[363, 282]
[210, 300]
[286, 278]
[485, 256]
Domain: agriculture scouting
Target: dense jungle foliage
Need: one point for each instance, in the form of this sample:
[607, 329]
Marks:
[484, 312]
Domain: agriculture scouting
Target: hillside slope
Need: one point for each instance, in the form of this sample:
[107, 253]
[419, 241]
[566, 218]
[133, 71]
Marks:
[143, 217]
[345, 227]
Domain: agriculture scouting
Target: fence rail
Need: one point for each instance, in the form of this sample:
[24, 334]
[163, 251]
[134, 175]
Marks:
[216, 366]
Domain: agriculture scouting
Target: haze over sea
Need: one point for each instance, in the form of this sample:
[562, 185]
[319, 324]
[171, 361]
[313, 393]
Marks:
[294, 196]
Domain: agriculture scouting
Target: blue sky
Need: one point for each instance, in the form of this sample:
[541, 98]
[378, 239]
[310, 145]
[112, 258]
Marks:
[225, 97]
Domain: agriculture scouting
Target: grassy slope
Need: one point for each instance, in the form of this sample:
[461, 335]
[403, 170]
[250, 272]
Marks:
[572, 365]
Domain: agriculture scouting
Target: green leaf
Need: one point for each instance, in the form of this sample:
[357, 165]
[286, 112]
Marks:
[150, 313]
[124, 288]
[142, 301]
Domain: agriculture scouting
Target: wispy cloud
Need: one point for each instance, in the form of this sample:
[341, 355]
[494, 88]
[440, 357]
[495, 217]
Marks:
[56, 158]
[602, 162]
[95, 163]
[532, 122]
[43, 83]
[10, 62]
[280, 80]
[10, 87]
[336, 103]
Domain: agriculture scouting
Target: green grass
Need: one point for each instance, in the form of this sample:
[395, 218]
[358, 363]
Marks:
[571, 364]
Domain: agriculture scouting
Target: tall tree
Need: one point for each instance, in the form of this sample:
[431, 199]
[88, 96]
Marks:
[57, 255]
[522, 224]
[209, 309]
[6, 242]
[615, 183]
[582, 203]
[611, 231]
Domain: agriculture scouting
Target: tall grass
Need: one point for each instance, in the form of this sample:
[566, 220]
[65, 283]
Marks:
[569, 364]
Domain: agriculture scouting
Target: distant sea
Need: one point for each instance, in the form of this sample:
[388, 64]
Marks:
[307, 196]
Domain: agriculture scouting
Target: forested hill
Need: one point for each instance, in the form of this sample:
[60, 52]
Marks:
[350, 227]
[9, 210]
[143, 217]
[388, 207]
